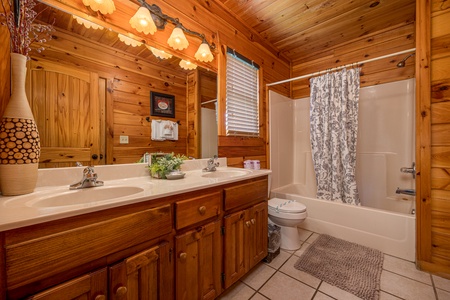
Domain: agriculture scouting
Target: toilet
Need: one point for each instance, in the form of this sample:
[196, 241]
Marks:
[287, 214]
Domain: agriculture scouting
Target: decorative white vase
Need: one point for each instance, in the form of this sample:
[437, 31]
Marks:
[19, 137]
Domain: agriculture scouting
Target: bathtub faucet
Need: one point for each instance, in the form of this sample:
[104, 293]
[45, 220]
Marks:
[409, 192]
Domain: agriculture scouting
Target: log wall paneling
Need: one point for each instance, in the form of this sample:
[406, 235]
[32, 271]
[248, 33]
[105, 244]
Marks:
[193, 115]
[127, 83]
[433, 124]
[390, 40]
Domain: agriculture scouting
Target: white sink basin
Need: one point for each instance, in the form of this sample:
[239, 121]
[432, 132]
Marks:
[46, 199]
[85, 196]
[226, 173]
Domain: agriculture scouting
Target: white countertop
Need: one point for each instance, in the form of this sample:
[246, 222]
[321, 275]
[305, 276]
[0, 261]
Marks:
[20, 211]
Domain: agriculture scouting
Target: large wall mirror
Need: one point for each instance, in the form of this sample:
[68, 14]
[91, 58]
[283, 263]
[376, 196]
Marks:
[90, 94]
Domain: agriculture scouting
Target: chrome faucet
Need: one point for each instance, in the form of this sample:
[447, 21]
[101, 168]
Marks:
[411, 170]
[409, 192]
[88, 180]
[212, 164]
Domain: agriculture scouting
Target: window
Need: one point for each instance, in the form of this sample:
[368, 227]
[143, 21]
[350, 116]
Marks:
[242, 96]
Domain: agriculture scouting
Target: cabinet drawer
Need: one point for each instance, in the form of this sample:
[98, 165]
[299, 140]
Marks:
[247, 194]
[49, 255]
[194, 210]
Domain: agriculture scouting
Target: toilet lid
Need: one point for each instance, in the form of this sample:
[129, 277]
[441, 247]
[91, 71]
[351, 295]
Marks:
[287, 206]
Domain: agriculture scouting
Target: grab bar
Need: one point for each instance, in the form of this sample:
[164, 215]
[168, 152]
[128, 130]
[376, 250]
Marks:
[411, 170]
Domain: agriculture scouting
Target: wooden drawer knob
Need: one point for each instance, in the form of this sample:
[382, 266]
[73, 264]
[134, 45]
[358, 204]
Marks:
[183, 256]
[247, 223]
[100, 297]
[253, 221]
[202, 210]
[121, 291]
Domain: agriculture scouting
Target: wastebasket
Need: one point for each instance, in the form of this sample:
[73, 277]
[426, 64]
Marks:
[273, 242]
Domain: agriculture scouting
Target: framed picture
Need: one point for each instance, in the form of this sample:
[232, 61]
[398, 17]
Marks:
[162, 105]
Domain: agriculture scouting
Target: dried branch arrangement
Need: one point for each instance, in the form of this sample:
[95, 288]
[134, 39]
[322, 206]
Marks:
[23, 32]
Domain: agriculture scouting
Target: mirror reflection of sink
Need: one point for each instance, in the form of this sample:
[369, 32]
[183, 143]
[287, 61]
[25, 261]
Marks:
[84, 196]
[226, 173]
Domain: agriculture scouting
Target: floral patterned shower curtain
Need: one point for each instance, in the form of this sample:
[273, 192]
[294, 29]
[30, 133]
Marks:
[334, 128]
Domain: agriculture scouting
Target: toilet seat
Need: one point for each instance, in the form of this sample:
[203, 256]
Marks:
[286, 206]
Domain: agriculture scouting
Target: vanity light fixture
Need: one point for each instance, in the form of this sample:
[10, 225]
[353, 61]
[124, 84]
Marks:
[142, 21]
[204, 53]
[177, 39]
[159, 53]
[129, 41]
[88, 24]
[104, 6]
[187, 65]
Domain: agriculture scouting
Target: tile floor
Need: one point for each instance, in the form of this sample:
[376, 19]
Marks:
[280, 280]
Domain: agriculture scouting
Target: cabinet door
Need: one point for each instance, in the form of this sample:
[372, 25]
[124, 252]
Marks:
[90, 287]
[257, 224]
[234, 248]
[245, 241]
[198, 263]
[144, 276]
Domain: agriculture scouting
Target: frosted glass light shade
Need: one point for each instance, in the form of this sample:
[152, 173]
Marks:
[204, 53]
[104, 6]
[159, 53]
[86, 23]
[129, 41]
[177, 39]
[187, 65]
[142, 21]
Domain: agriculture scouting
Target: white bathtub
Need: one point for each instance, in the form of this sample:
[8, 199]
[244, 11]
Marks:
[390, 232]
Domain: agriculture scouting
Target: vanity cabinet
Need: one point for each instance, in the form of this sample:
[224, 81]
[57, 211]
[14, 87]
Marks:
[245, 230]
[199, 262]
[146, 275]
[53, 253]
[92, 286]
[198, 246]
[186, 246]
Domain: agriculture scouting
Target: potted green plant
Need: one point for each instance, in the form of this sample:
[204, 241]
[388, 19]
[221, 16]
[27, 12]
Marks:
[163, 164]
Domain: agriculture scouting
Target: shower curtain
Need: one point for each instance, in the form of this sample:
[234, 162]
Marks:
[334, 128]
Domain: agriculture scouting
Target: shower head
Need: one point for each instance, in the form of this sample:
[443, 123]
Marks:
[402, 63]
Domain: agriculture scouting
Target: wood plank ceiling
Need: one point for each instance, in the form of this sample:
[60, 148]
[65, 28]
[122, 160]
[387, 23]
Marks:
[300, 28]
[296, 28]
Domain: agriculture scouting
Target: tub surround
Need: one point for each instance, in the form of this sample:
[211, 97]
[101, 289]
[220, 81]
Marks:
[194, 236]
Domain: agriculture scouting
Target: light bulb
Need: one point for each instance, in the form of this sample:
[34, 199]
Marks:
[129, 41]
[204, 53]
[159, 53]
[187, 65]
[177, 39]
[142, 21]
[104, 6]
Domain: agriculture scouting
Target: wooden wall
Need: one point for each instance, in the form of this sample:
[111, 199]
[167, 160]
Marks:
[433, 135]
[201, 87]
[130, 82]
[390, 40]
[225, 30]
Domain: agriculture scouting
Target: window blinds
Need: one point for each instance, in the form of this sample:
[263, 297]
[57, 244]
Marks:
[242, 97]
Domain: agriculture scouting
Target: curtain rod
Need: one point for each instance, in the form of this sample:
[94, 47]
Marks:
[341, 67]
[206, 102]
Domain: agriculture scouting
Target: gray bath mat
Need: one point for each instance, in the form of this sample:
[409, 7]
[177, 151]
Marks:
[349, 266]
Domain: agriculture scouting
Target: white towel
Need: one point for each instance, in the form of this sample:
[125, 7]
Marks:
[157, 126]
[171, 132]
